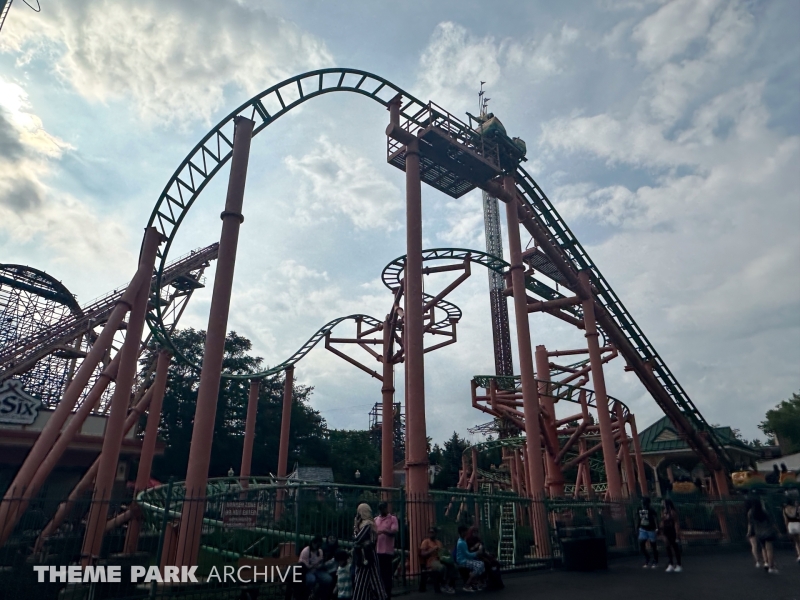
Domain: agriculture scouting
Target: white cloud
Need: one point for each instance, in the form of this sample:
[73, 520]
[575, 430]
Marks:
[455, 62]
[704, 250]
[336, 178]
[465, 228]
[669, 31]
[173, 60]
[31, 212]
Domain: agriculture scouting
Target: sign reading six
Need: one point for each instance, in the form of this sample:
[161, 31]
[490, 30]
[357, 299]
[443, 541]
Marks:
[16, 406]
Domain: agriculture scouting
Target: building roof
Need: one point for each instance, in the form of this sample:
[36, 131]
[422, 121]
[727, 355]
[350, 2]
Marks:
[662, 436]
[792, 462]
[312, 474]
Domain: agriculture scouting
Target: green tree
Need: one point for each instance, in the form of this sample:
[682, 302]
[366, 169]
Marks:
[352, 451]
[308, 443]
[449, 459]
[783, 424]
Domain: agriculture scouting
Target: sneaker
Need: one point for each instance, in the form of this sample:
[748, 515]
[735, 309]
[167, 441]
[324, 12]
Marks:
[654, 566]
[759, 565]
[678, 569]
[773, 571]
[670, 568]
[469, 588]
[646, 566]
[448, 590]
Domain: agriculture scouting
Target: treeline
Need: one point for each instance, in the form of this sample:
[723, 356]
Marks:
[311, 443]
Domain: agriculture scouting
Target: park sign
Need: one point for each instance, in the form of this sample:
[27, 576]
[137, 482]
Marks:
[17, 406]
[240, 515]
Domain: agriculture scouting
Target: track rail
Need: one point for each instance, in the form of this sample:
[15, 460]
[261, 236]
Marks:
[215, 149]
[620, 326]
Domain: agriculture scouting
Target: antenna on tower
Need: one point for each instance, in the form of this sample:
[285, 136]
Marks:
[482, 101]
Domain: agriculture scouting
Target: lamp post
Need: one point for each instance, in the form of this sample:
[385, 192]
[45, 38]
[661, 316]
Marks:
[358, 475]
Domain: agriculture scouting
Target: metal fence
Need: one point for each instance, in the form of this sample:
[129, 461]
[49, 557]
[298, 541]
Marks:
[272, 522]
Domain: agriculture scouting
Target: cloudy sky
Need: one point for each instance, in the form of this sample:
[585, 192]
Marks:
[666, 133]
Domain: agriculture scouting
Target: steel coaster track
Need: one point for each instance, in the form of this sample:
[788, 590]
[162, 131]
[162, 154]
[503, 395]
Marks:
[33, 348]
[579, 259]
[393, 272]
[556, 390]
[596, 464]
[216, 148]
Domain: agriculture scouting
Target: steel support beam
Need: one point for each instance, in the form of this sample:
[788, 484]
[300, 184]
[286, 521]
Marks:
[112, 439]
[148, 448]
[208, 392]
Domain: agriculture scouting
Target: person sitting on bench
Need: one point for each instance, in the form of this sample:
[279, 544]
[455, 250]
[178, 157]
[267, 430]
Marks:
[441, 566]
[468, 560]
[312, 559]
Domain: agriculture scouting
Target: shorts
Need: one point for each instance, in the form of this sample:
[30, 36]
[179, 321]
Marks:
[475, 567]
[647, 536]
[793, 527]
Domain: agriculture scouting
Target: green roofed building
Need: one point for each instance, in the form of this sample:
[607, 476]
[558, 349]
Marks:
[671, 459]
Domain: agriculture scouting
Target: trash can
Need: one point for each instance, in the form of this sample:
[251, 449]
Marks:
[583, 548]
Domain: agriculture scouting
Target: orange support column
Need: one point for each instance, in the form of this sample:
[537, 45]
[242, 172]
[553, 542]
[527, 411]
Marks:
[387, 409]
[555, 479]
[283, 448]
[191, 525]
[249, 432]
[148, 448]
[530, 395]
[627, 462]
[637, 451]
[112, 438]
[601, 398]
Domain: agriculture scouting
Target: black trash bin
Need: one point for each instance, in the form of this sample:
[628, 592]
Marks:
[585, 553]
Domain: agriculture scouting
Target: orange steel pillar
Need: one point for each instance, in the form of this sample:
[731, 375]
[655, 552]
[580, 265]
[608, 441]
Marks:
[387, 409]
[148, 447]
[555, 479]
[627, 461]
[530, 395]
[249, 432]
[415, 418]
[601, 398]
[208, 392]
[112, 437]
[416, 431]
[637, 451]
[283, 448]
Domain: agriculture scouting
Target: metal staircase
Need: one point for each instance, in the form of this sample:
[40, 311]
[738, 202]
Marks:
[507, 538]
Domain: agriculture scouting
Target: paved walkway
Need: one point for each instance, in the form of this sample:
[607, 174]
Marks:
[724, 576]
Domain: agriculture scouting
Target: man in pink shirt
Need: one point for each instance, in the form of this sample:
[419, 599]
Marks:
[387, 527]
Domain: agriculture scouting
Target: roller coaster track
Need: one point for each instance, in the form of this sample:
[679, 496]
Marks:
[619, 325]
[215, 149]
[23, 355]
[393, 272]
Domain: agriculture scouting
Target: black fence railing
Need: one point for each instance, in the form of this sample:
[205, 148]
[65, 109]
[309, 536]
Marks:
[266, 525]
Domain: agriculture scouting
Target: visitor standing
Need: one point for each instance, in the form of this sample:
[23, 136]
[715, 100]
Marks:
[387, 527]
[344, 581]
[760, 526]
[670, 529]
[791, 517]
[367, 583]
[648, 531]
